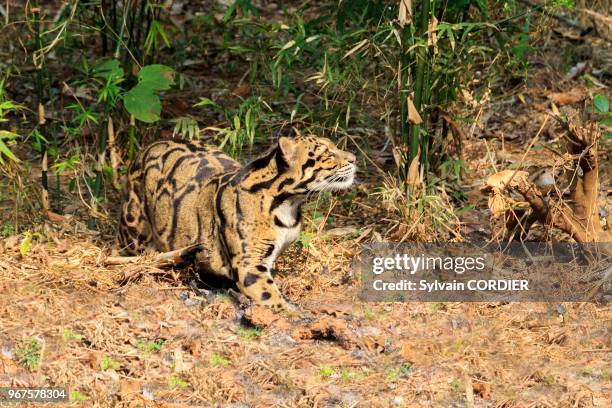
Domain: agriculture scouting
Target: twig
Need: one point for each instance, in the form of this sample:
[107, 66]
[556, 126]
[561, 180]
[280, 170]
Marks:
[520, 164]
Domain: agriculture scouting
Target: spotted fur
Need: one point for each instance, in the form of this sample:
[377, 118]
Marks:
[181, 193]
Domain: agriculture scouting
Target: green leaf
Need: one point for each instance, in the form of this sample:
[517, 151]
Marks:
[109, 69]
[141, 102]
[305, 238]
[24, 247]
[156, 77]
[601, 103]
[206, 102]
[4, 149]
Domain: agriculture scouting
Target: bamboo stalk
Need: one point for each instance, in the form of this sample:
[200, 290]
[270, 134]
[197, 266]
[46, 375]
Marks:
[38, 63]
[419, 80]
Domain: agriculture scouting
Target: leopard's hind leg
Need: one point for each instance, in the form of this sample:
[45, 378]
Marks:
[135, 229]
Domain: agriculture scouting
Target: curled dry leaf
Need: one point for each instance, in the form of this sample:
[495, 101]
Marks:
[497, 204]
[405, 13]
[413, 113]
[505, 178]
[494, 186]
[432, 35]
[413, 177]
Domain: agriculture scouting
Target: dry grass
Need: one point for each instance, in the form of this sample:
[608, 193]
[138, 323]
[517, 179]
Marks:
[124, 334]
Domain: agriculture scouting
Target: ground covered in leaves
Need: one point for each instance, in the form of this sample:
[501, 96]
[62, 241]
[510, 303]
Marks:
[134, 335]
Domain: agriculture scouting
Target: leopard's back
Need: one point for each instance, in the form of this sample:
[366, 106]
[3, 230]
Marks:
[164, 186]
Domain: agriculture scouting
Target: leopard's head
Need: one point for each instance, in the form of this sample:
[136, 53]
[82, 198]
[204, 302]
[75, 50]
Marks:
[315, 164]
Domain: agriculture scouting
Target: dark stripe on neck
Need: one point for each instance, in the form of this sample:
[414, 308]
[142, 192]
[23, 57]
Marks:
[263, 163]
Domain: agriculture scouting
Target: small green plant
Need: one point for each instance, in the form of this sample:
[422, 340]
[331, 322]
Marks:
[456, 385]
[217, 360]
[69, 335]
[437, 306]
[186, 128]
[24, 247]
[304, 239]
[395, 373]
[370, 314]
[77, 396]
[29, 354]
[7, 229]
[249, 333]
[349, 375]
[108, 363]
[149, 347]
[176, 382]
[244, 121]
[326, 371]
[604, 116]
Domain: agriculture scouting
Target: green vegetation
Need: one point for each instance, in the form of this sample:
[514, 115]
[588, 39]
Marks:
[394, 373]
[345, 70]
[77, 396]
[149, 347]
[69, 335]
[29, 354]
[326, 371]
[249, 333]
[108, 363]
[217, 360]
[176, 382]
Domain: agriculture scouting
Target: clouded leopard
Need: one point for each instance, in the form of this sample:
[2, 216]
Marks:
[181, 193]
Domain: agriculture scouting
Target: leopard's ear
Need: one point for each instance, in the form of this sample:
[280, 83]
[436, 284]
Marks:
[288, 147]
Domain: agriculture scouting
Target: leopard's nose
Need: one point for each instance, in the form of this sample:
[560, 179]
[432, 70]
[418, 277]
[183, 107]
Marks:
[350, 157]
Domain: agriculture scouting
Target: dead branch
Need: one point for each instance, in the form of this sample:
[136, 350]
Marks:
[578, 217]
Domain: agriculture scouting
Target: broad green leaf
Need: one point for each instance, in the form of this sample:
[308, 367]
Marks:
[141, 102]
[24, 247]
[601, 103]
[156, 77]
[109, 69]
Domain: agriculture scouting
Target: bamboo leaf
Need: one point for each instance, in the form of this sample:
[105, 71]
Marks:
[356, 48]
[4, 149]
